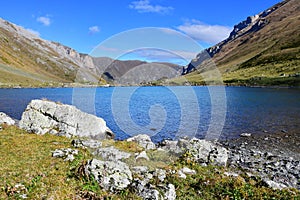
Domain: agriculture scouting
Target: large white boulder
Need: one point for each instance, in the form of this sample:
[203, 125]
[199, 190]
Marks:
[42, 116]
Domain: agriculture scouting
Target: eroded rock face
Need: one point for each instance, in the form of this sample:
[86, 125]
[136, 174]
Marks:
[143, 140]
[5, 119]
[43, 116]
[111, 175]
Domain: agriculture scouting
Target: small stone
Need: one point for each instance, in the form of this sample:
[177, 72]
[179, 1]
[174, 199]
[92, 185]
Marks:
[143, 140]
[171, 146]
[5, 119]
[68, 154]
[189, 171]
[181, 174]
[160, 149]
[93, 144]
[160, 174]
[149, 194]
[231, 174]
[23, 196]
[142, 155]
[111, 154]
[69, 158]
[245, 135]
[274, 185]
[170, 193]
[139, 170]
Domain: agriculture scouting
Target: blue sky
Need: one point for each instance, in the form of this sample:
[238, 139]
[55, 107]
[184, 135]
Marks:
[82, 25]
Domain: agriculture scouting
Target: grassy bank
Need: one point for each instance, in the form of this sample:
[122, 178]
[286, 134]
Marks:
[26, 159]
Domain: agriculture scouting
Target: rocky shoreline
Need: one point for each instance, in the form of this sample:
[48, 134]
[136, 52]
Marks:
[273, 159]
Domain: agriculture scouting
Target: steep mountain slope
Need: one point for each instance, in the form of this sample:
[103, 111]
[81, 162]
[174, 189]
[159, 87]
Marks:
[27, 60]
[263, 49]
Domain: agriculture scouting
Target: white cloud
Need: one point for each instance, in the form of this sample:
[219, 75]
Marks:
[206, 33]
[144, 6]
[94, 29]
[46, 21]
[159, 54]
[36, 33]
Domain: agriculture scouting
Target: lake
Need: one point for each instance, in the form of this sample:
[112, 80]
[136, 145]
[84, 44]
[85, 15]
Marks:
[172, 112]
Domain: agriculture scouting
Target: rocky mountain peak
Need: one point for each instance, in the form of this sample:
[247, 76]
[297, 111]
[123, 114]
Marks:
[24, 55]
[251, 24]
[17, 30]
[244, 31]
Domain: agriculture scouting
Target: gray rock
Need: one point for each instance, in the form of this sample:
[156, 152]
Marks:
[43, 116]
[93, 144]
[277, 170]
[181, 174]
[143, 140]
[160, 174]
[111, 154]
[274, 185]
[170, 193]
[183, 143]
[111, 175]
[188, 171]
[5, 119]
[142, 155]
[67, 154]
[149, 194]
[231, 174]
[170, 146]
[143, 177]
[146, 190]
[140, 170]
[207, 152]
[245, 135]
[18, 191]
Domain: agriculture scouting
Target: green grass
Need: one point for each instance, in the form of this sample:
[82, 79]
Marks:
[26, 159]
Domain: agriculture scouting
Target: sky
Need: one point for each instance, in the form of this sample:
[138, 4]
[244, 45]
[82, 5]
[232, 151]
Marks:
[84, 25]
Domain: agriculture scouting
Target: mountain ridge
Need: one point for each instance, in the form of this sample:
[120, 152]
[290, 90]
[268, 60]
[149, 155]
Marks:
[27, 60]
[263, 49]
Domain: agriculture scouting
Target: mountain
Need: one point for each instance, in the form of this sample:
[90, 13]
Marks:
[30, 61]
[262, 50]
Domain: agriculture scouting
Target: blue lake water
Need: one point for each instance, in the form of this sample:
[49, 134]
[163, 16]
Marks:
[170, 112]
